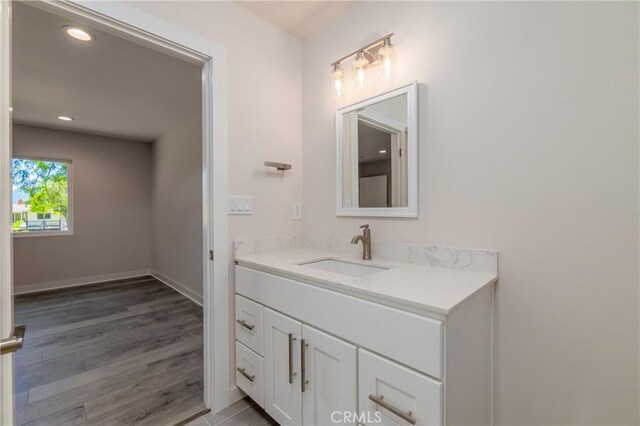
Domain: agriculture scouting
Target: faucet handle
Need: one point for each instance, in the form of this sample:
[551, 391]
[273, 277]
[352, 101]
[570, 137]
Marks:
[364, 226]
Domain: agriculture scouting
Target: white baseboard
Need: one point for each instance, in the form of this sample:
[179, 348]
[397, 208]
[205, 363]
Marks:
[75, 282]
[195, 297]
[235, 395]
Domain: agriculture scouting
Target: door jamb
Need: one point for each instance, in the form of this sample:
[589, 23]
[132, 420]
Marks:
[6, 255]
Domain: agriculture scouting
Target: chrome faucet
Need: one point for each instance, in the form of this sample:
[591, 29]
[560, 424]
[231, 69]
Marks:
[366, 242]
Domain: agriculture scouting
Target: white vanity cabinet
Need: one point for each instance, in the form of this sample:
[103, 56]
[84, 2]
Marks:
[283, 399]
[308, 374]
[398, 394]
[330, 377]
[325, 357]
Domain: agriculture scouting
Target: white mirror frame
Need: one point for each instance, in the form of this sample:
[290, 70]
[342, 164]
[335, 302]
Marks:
[411, 90]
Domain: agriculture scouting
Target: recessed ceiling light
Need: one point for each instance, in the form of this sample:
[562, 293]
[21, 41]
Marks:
[10, 109]
[78, 33]
[383, 151]
[65, 118]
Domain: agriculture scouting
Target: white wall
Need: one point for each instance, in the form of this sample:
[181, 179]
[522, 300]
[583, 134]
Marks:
[176, 197]
[264, 108]
[264, 114]
[528, 145]
[112, 209]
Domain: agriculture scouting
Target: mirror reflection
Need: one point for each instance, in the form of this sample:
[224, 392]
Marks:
[374, 155]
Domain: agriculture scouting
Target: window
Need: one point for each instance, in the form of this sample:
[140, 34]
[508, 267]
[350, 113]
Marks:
[41, 196]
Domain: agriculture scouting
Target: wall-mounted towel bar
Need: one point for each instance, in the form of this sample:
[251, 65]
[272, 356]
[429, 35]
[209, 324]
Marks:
[279, 166]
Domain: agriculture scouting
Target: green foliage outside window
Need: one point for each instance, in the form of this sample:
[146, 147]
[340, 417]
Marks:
[44, 184]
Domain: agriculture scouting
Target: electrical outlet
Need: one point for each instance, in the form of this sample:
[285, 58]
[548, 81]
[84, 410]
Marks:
[297, 210]
[240, 204]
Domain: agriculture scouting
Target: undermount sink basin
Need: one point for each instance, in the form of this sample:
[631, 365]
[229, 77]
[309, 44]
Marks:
[344, 268]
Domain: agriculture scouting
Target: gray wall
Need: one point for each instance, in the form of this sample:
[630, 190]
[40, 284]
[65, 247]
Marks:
[177, 204]
[112, 209]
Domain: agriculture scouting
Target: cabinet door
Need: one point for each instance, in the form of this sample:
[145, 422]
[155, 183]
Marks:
[329, 374]
[283, 399]
[391, 394]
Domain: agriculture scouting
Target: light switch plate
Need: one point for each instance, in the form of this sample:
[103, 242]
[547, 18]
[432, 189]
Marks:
[240, 204]
[297, 210]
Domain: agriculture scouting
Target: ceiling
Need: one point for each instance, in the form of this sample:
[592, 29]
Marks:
[299, 18]
[111, 86]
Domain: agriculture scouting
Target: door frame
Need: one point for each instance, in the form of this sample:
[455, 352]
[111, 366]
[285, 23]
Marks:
[6, 256]
[133, 24]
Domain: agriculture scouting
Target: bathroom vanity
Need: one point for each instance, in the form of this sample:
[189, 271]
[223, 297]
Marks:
[324, 337]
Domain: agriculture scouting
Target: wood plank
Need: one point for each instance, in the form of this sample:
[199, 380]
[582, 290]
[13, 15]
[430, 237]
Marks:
[109, 341]
[38, 304]
[132, 311]
[139, 411]
[22, 359]
[125, 377]
[46, 372]
[50, 389]
[70, 417]
[138, 390]
[128, 351]
[21, 398]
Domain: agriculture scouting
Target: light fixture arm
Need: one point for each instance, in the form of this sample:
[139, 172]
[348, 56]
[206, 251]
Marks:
[362, 49]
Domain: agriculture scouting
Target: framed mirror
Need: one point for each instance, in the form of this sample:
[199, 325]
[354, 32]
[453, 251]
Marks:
[377, 155]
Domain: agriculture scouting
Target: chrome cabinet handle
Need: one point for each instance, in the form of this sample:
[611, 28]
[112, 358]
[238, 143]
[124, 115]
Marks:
[407, 417]
[291, 373]
[303, 367]
[245, 325]
[248, 376]
[13, 342]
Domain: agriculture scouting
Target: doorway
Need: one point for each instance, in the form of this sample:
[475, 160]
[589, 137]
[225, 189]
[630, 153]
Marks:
[118, 18]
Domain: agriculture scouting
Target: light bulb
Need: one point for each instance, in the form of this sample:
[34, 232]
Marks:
[360, 64]
[336, 73]
[386, 57]
[78, 33]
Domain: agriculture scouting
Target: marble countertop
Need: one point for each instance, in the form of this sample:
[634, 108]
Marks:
[415, 286]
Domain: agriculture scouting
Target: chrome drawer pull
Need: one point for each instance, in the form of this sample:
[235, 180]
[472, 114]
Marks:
[291, 373]
[407, 417]
[303, 368]
[248, 376]
[245, 325]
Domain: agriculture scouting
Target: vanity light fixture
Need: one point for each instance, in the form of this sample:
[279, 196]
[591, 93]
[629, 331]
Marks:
[337, 74]
[78, 33]
[383, 151]
[65, 118]
[386, 57]
[380, 53]
[359, 65]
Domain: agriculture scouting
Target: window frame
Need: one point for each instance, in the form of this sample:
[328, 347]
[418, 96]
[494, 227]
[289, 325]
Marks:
[70, 190]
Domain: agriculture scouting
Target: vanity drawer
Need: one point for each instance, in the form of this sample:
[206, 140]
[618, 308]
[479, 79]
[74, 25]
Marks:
[413, 340]
[249, 323]
[397, 390]
[250, 373]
